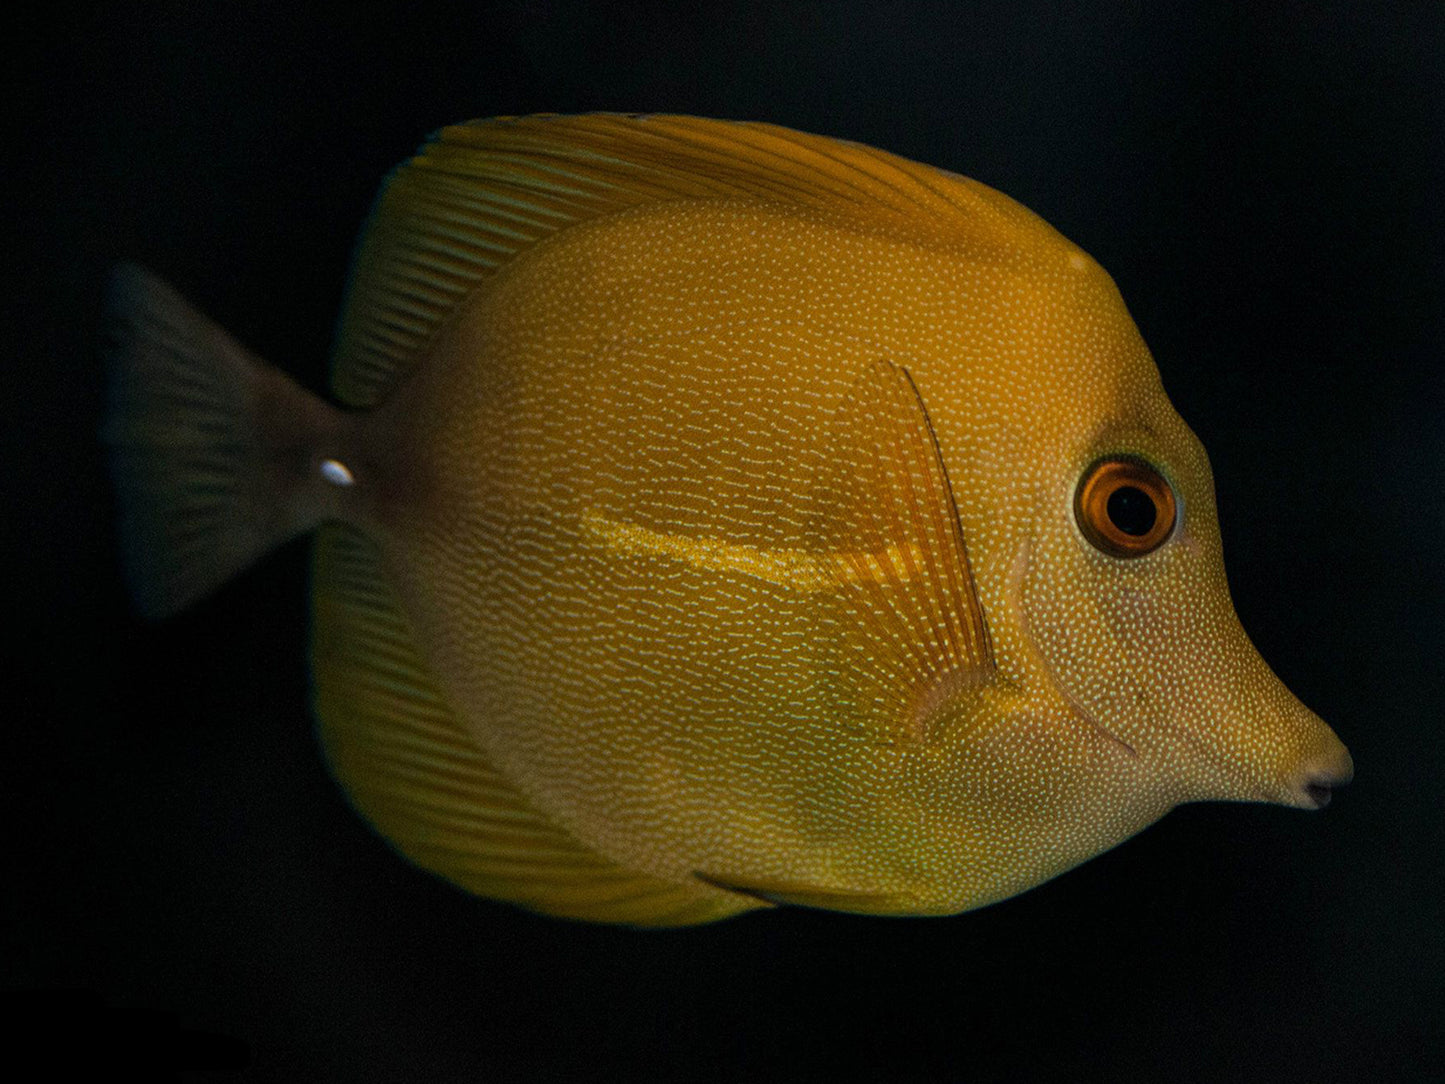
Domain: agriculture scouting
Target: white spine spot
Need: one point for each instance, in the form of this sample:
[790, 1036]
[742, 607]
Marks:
[336, 472]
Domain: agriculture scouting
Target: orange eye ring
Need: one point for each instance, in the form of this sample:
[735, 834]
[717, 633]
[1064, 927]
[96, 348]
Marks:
[1124, 507]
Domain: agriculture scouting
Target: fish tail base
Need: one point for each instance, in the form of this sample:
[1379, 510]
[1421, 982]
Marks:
[211, 449]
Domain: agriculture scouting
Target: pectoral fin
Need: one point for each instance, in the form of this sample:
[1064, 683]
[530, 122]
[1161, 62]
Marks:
[903, 620]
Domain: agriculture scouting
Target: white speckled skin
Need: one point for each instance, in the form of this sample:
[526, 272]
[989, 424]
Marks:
[681, 367]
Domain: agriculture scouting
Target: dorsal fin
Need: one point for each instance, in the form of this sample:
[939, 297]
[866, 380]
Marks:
[903, 623]
[479, 193]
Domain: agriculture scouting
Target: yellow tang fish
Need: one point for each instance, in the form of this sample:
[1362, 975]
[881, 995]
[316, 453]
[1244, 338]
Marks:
[721, 516]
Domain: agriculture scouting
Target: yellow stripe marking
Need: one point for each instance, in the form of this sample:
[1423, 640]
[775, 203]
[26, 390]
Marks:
[796, 569]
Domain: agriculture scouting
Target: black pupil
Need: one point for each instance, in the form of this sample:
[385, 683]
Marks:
[1132, 510]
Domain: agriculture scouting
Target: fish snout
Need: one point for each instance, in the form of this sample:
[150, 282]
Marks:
[1320, 775]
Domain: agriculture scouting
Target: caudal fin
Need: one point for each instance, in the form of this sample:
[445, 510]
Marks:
[211, 449]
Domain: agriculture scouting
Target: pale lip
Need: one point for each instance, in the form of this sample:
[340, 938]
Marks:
[1316, 783]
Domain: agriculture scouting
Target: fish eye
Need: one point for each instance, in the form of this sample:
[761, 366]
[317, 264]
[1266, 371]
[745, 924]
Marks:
[1124, 506]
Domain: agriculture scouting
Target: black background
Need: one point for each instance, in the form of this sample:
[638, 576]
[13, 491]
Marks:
[1264, 182]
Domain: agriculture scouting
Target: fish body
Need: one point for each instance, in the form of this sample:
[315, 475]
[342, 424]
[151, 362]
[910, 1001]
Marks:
[723, 516]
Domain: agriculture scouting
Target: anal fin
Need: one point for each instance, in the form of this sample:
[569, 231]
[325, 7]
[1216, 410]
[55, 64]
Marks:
[779, 893]
[420, 780]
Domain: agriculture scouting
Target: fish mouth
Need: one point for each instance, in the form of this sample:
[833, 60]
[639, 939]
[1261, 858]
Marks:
[1315, 786]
